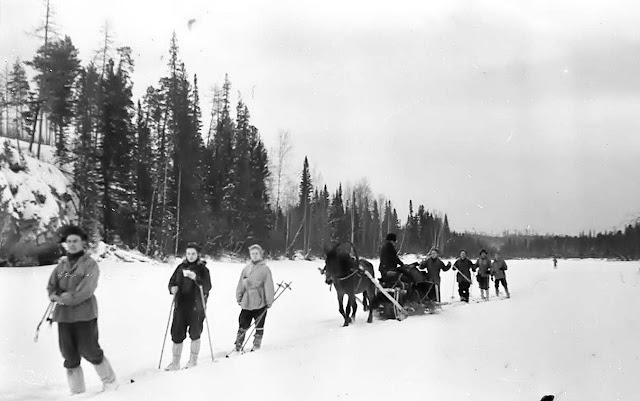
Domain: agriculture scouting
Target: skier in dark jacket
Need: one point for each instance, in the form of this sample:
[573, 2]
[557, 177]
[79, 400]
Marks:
[434, 266]
[464, 267]
[484, 273]
[190, 285]
[71, 286]
[389, 260]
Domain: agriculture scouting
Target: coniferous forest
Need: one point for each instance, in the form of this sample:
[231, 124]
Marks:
[149, 176]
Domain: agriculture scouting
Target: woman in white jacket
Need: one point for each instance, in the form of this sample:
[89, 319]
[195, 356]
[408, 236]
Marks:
[254, 294]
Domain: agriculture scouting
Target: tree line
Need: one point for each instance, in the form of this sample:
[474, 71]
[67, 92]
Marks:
[616, 244]
[149, 177]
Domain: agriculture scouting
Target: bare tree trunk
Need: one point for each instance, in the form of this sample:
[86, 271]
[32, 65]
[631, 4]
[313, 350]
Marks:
[178, 211]
[33, 130]
[353, 222]
[40, 136]
[164, 202]
[153, 195]
[296, 236]
[310, 223]
[287, 228]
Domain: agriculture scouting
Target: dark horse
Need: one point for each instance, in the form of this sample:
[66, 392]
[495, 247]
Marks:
[342, 270]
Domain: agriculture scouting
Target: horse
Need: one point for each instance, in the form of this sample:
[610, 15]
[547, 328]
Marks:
[342, 270]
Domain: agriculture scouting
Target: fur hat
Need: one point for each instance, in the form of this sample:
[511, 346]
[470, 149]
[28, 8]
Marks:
[483, 251]
[193, 245]
[68, 230]
[256, 246]
[391, 237]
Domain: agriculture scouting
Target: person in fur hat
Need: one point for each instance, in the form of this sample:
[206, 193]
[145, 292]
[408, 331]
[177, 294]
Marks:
[190, 284]
[389, 260]
[254, 294]
[71, 287]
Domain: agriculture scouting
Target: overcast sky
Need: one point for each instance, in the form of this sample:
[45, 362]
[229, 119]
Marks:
[504, 114]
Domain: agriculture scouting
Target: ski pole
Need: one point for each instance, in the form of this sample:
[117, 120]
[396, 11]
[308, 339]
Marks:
[453, 289]
[204, 307]
[164, 341]
[45, 316]
[282, 287]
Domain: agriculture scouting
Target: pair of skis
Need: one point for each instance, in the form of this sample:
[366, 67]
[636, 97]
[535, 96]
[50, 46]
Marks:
[282, 287]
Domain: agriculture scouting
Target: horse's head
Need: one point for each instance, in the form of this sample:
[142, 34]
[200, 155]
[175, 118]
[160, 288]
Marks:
[338, 262]
[323, 270]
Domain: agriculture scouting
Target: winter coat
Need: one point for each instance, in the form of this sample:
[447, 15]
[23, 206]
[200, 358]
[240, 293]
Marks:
[188, 296]
[434, 266]
[75, 284]
[484, 266]
[255, 287]
[464, 267]
[389, 259]
[498, 268]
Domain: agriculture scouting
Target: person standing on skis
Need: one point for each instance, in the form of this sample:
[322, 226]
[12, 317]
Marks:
[498, 271]
[190, 285]
[254, 294]
[434, 266]
[71, 286]
[484, 273]
[464, 267]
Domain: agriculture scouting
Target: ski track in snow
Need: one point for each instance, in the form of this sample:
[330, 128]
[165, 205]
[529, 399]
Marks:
[554, 336]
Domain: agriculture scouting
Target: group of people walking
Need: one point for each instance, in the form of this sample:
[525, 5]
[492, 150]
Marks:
[74, 307]
[431, 268]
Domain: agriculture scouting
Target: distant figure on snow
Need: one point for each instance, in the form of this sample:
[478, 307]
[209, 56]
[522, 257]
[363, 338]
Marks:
[498, 271]
[464, 267]
[254, 294]
[434, 266]
[190, 285]
[555, 263]
[484, 273]
[71, 286]
[389, 260]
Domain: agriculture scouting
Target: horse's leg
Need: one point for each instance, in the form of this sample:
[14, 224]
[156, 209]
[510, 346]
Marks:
[341, 307]
[370, 294]
[347, 316]
[354, 304]
[365, 300]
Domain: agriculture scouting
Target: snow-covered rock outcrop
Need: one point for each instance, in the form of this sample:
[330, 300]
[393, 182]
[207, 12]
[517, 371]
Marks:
[36, 198]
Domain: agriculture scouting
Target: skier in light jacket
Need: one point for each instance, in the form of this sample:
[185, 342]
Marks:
[498, 271]
[71, 286]
[254, 294]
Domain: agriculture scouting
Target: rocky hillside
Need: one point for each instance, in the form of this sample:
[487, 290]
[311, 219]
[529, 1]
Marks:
[36, 198]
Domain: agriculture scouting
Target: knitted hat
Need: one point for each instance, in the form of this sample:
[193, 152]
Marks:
[391, 237]
[66, 231]
[483, 251]
[256, 246]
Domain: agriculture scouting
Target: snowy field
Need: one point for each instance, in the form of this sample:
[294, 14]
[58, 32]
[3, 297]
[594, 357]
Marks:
[573, 332]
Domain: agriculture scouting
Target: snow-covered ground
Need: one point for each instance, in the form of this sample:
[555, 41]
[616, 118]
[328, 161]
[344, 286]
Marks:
[572, 332]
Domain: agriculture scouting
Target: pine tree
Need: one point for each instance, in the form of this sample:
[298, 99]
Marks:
[304, 202]
[18, 89]
[57, 67]
[116, 147]
[86, 181]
